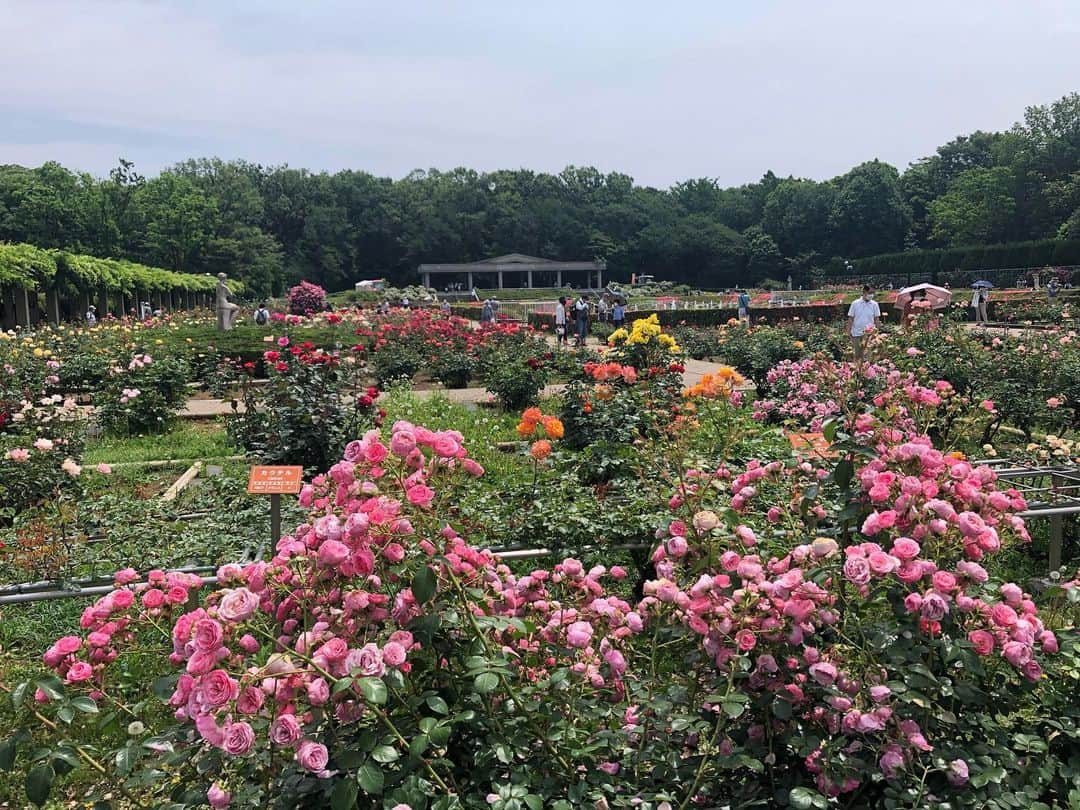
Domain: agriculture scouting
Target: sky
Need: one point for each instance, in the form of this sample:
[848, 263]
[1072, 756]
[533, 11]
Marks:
[662, 91]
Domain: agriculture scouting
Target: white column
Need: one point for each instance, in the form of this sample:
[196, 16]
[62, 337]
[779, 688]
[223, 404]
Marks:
[427, 279]
[500, 279]
[530, 279]
[558, 278]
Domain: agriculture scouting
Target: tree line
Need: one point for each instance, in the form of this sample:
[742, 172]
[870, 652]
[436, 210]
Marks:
[271, 226]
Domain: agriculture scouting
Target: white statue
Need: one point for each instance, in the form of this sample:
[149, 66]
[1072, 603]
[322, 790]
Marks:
[226, 310]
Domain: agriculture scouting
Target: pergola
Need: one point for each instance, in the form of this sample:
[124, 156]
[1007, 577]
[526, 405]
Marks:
[528, 269]
[1052, 491]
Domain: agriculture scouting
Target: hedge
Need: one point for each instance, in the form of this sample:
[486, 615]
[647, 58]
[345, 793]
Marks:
[1042, 253]
[31, 268]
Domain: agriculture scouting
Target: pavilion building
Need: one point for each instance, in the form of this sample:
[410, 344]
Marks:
[513, 271]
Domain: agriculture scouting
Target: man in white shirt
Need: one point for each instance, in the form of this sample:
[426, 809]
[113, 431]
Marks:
[863, 315]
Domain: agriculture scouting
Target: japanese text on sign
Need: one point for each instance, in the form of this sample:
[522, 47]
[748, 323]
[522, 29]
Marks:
[275, 480]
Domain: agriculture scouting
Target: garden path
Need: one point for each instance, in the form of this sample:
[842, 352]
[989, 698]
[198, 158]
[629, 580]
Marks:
[209, 408]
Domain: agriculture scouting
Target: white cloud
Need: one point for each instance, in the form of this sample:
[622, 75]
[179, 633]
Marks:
[660, 92]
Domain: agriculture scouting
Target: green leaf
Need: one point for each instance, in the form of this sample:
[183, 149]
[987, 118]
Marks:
[373, 690]
[51, 687]
[85, 704]
[126, 758]
[349, 758]
[423, 585]
[370, 778]
[18, 694]
[385, 753]
[38, 783]
[437, 704]
[843, 473]
[486, 682]
[344, 795]
[66, 714]
[803, 799]
[341, 685]
[733, 708]
[8, 750]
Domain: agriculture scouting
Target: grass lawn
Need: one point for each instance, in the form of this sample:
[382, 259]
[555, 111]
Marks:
[188, 439]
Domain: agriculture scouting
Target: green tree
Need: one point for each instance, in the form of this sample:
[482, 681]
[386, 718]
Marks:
[796, 215]
[868, 213]
[976, 209]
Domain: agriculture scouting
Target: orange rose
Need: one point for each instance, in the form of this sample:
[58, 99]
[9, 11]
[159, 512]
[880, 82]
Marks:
[532, 415]
[526, 429]
[553, 427]
[540, 449]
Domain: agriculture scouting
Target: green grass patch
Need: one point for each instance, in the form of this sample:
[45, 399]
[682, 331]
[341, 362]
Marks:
[186, 440]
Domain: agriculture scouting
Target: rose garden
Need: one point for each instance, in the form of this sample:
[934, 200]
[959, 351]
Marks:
[792, 581]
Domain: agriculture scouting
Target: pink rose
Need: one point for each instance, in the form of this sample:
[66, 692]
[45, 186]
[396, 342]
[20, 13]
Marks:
[318, 692]
[312, 756]
[579, 634]
[122, 599]
[375, 452]
[217, 797]
[1003, 615]
[250, 700]
[68, 645]
[857, 569]
[239, 737]
[823, 672]
[905, 548]
[125, 575]
[882, 563]
[957, 773]
[80, 671]
[393, 654]
[248, 643]
[746, 640]
[285, 730]
[207, 636]
[934, 607]
[332, 553]
[218, 688]
[1016, 653]
[943, 581]
[394, 553]
[209, 729]
[982, 640]
[153, 598]
[446, 446]
[420, 495]
[237, 604]
[354, 450]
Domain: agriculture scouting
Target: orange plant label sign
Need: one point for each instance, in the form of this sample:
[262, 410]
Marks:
[275, 480]
[811, 444]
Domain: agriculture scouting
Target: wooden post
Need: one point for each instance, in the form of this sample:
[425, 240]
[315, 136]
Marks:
[275, 518]
[182, 481]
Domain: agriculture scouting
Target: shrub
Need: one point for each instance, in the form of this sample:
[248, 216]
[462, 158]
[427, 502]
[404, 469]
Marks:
[378, 656]
[306, 298]
[142, 395]
[310, 408]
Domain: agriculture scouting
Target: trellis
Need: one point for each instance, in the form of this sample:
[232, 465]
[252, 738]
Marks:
[1052, 492]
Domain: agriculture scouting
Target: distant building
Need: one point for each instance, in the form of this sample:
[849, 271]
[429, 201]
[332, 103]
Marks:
[371, 284]
[513, 271]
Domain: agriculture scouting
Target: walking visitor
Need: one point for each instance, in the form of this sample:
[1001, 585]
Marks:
[863, 315]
